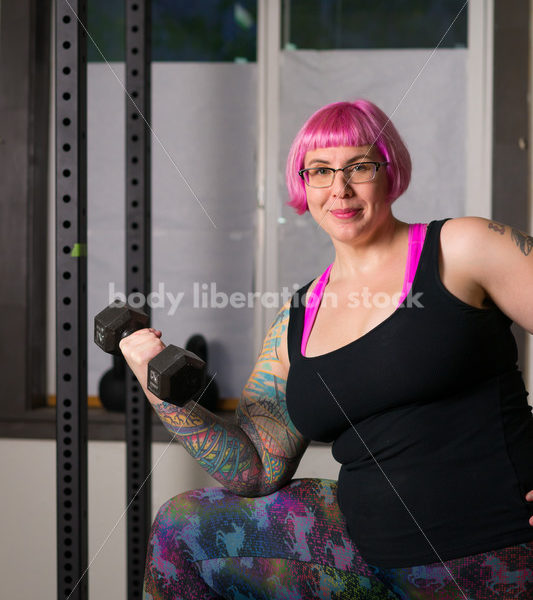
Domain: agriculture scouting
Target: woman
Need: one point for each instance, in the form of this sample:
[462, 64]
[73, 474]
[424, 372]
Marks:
[400, 354]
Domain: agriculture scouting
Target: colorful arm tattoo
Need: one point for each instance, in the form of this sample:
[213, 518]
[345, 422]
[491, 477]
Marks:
[219, 446]
[259, 452]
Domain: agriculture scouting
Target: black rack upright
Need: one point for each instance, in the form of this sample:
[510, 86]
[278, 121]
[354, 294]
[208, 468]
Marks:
[71, 298]
[138, 278]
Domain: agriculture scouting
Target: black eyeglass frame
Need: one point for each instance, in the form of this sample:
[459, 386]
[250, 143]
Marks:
[376, 163]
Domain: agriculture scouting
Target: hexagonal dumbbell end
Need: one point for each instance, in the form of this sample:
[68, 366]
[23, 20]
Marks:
[176, 375]
[116, 322]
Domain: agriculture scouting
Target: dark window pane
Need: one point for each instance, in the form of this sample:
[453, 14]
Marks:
[331, 24]
[105, 23]
[210, 30]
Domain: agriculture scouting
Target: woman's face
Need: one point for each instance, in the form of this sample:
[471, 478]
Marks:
[346, 209]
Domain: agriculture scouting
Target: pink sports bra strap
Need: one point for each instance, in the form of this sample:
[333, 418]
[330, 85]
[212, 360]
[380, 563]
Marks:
[311, 308]
[417, 234]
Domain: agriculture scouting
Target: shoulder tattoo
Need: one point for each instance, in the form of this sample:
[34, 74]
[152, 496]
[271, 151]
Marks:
[523, 241]
[498, 227]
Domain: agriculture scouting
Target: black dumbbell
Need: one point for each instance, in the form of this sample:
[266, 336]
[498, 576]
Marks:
[174, 375]
[197, 344]
[116, 322]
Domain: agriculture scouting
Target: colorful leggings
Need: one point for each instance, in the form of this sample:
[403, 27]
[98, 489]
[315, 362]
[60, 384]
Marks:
[209, 544]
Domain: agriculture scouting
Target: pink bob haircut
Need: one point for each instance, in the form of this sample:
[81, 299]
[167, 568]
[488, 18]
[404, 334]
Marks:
[358, 123]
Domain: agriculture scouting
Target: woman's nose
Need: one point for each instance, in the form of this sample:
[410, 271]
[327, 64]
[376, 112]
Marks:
[341, 184]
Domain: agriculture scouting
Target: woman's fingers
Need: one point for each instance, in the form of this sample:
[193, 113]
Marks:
[140, 347]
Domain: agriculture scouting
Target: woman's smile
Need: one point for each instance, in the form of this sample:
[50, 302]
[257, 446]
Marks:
[346, 213]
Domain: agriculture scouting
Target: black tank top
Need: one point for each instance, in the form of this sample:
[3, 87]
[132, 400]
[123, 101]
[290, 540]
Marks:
[435, 397]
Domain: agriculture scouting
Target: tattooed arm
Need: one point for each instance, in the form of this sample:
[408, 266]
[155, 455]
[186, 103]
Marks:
[257, 453]
[495, 257]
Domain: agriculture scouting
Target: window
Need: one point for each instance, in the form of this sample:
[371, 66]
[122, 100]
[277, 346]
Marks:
[211, 30]
[343, 24]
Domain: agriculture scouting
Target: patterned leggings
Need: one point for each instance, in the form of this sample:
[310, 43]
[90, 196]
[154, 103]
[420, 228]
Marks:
[209, 544]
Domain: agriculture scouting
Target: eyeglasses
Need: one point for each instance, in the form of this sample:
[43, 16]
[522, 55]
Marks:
[323, 177]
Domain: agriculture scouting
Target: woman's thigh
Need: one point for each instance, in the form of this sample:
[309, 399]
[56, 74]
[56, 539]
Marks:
[288, 545]
[505, 574]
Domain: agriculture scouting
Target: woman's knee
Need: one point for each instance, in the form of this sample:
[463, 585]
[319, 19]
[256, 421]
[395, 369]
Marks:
[184, 509]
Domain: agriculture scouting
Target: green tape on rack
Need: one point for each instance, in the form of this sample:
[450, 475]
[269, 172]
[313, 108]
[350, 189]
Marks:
[79, 250]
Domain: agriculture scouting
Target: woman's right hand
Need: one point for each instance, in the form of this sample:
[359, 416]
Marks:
[139, 348]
